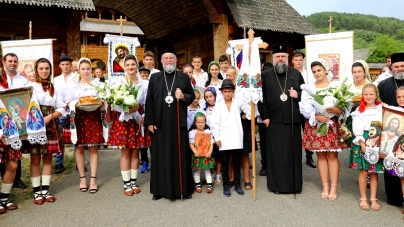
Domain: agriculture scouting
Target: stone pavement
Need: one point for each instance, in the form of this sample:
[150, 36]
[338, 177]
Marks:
[109, 207]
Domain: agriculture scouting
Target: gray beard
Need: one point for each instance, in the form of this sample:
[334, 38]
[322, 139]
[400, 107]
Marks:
[399, 75]
[170, 68]
[280, 68]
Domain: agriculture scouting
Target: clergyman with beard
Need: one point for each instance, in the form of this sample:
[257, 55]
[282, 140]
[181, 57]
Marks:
[165, 88]
[281, 86]
[387, 89]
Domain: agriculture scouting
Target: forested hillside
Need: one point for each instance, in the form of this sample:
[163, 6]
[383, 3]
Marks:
[381, 35]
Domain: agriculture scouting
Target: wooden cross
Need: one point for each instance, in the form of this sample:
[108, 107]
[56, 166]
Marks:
[263, 45]
[330, 25]
[30, 30]
[121, 25]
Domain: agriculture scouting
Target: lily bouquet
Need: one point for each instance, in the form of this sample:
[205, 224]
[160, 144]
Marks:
[329, 98]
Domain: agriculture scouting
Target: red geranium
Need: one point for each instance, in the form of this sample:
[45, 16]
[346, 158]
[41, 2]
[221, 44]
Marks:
[259, 83]
[243, 83]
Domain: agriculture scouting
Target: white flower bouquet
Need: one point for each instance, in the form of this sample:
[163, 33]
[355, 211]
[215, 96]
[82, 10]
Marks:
[329, 98]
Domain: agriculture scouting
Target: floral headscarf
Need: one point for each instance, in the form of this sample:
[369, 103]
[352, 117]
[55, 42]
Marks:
[329, 75]
[213, 90]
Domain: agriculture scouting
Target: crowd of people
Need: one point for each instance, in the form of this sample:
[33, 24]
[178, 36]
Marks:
[191, 122]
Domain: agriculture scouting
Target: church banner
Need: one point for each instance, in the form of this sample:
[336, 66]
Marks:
[28, 52]
[336, 49]
[118, 48]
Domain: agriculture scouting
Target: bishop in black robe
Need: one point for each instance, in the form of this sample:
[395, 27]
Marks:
[165, 173]
[387, 89]
[281, 159]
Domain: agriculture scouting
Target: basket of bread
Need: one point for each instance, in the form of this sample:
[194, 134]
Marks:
[89, 103]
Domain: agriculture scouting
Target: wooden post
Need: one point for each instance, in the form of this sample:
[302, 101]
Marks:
[120, 24]
[220, 37]
[330, 25]
[253, 153]
[30, 30]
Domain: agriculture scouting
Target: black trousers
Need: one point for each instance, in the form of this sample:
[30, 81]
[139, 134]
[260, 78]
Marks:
[225, 156]
[261, 130]
[143, 155]
[309, 154]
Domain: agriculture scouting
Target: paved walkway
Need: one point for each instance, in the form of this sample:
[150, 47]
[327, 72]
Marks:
[109, 207]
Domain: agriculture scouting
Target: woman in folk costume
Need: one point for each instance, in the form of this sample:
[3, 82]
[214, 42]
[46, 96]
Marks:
[326, 147]
[125, 131]
[367, 128]
[88, 123]
[51, 105]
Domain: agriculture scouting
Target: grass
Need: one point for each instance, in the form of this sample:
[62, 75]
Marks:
[19, 196]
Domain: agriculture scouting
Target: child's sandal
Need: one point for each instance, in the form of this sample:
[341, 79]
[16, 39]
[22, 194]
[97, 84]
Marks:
[209, 189]
[198, 188]
[364, 207]
[247, 185]
[374, 207]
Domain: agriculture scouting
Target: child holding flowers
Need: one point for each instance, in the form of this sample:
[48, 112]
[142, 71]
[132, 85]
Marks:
[321, 129]
[367, 127]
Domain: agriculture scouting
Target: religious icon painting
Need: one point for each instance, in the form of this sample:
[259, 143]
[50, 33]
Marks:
[17, 101]
[333, 61]
[9, 128]
[202, 143]
[393, 128]
[395, 160]
[35, 123]
[372, 143]
[119, 48]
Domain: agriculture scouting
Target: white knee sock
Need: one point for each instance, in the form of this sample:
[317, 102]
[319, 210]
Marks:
[133, 174]
[5, 191]
[36, 185]
[197, 176]
[125, 175]
[208, 176]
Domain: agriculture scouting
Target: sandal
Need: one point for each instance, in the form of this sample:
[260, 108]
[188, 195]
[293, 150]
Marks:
[376, 206]
[364, 207]
[247, 184]
[93, 190]
[198, 188]
[325, 195]
[8, 205]
[127, 188]
[333, 197]
[2, 209]
[135, 188]
[218, 179]
[84, 189]
[209, 189]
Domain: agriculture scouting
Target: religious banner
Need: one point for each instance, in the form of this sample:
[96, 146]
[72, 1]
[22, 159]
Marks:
[118, 48]
[236, 54]
[28, 52]
[336, 49]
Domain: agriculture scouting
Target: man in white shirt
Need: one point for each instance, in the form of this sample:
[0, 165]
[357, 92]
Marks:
[224, 64]
[15, 80]
[297, 60]
[60, 82]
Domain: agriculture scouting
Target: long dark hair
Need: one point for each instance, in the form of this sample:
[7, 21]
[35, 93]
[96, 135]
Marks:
[220, 77]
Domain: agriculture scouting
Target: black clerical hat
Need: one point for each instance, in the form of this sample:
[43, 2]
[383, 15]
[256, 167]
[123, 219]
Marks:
[297, 51]
[282, 48]
[226, 83]
[65, 57]
[397, 57]
[168, 49]
[142, 68]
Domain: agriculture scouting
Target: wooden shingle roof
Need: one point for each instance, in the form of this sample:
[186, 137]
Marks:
[71, 4]
[274, 15]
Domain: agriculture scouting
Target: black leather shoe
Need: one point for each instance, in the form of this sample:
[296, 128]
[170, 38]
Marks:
[59, 168]
[19, 184]
[310, 162]
[275, 192]
[188, 197]
[157, 197]
[263, 172]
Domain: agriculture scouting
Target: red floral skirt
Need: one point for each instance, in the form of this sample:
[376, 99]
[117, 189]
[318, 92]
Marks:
[327, 143]
[9, 154]
[89, 127]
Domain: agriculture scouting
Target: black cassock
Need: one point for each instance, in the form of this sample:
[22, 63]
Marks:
[165, 174]
[279, 133]
[392, 184]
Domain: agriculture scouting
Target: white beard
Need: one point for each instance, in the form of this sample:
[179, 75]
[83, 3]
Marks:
[170, 68]
[399, 75]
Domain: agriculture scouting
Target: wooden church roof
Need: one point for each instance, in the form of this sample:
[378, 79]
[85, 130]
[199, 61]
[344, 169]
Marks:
[71, 4]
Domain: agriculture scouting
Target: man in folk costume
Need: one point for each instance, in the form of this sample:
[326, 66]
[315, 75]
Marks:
[280, 86]
[387, 89]
[14, 80]
[165, 88]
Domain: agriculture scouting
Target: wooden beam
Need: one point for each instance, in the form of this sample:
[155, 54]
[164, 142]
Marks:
[220, 37]
[214, 17]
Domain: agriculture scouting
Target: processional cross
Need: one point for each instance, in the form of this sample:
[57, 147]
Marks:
[330, 25]
[120, 24]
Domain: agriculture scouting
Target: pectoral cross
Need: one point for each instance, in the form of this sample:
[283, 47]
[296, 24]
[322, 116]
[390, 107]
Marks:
[120, 25]
[330, 25]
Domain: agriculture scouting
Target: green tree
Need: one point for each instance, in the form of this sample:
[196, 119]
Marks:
[383, 45]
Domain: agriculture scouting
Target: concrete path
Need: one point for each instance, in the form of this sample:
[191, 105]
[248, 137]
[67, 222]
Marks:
[109, 207]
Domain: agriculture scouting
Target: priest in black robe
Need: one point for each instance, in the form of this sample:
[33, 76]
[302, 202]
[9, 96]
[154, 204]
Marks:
[161, 119]
[387, 90]
[281, 87]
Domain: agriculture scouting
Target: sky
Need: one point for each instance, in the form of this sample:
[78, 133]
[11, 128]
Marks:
[381, 8]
